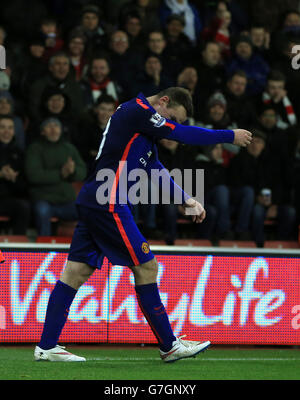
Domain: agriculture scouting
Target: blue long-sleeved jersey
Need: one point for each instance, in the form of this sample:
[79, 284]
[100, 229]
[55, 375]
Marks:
[131, 135]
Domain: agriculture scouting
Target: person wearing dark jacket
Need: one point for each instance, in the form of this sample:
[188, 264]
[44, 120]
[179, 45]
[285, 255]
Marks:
[13, 193]
[217, 223]
[255, 168]
[211, 75]
[51, 165]
[60, 75]
[173, 156]
[91, 126]
[54, 104]
[239, 104]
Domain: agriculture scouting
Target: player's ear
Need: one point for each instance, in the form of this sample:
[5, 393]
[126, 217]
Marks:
[164, 101]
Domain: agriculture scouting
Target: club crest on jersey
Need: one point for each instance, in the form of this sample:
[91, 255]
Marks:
[157, 120]
[145, 247]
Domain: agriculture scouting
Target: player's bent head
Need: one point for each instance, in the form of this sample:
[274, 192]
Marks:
[178, 96]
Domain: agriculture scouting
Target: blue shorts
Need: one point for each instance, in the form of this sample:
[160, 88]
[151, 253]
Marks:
[115, 235]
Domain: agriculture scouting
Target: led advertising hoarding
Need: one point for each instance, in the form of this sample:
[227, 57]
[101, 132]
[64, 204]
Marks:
[224, 298]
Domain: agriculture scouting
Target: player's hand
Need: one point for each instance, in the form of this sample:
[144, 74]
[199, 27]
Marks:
[195, 209]
[242, 137]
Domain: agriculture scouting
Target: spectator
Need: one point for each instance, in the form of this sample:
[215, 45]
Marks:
[289, 29]
[213, 13]
[76, 52]
[54, 104]
[173, 156]
[219, 30]
[217, 223]
[98, 81]
[133, 26]
[191, 17]
[275, 137]
[256, 168]
[276, 95]
[124, 61]
[52, 164]
[157, 45]
[283, 63]
[152, 79]
[52, 40]
[239, 105]
[13, 192]
[60, 76]
[247, 176]
[217, 117]
[211, 75]
[93, 124]
[7, 108]
[32, 67]
[262, 13]
[188, 78]
[179, 46]
[93, 29]
[255, 67]
[146, 12]
[260, 39]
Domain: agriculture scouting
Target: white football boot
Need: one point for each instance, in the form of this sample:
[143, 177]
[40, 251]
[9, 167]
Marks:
[183, 349]
[57, 353]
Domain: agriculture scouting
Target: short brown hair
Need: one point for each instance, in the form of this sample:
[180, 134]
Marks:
[179, 97]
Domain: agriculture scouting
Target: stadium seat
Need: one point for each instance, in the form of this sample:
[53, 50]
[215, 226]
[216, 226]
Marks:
[53, 239]
[237, 243]
[278, 244]
[14, 239]
[192, 242]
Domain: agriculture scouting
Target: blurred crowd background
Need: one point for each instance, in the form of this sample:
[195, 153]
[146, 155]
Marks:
[70, 63]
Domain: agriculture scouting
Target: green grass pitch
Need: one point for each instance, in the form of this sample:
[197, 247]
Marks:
[143, 363]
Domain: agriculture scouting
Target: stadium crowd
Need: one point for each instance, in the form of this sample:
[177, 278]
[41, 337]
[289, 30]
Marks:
[70, 63]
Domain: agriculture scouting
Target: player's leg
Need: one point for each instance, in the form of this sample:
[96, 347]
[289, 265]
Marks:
[171, 348]
[150, 303]
[83, 259]
[60, 300]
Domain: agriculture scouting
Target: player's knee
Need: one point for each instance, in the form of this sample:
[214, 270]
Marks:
[76, 274]
[145, 273]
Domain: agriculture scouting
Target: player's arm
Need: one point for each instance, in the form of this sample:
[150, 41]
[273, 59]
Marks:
[147, 122]
[177, 194]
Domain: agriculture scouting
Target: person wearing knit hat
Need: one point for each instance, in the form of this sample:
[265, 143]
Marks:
[50, 121]
[217, 98]
[93, 28]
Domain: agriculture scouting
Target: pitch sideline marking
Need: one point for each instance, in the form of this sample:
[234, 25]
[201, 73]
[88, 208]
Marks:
[202, 359]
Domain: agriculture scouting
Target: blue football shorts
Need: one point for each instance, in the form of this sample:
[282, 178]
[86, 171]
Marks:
[115, 235]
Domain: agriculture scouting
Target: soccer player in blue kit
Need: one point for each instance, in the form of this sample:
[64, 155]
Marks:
[108, 230]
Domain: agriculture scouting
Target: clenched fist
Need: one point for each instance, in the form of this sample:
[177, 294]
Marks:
[195, 209]
[242, 137]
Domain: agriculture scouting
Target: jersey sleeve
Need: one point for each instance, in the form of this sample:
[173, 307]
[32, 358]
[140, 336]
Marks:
[148, 122]
[161, 176]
